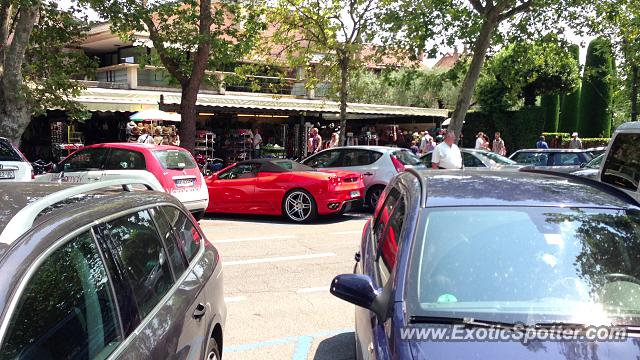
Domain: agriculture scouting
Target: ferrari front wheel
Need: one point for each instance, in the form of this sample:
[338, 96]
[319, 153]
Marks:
[299, 206]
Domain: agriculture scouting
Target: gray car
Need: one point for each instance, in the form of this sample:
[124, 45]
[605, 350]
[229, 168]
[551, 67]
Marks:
[378, 164]
[590, 169]
[558, 160]
[93, 272]
[480, 159]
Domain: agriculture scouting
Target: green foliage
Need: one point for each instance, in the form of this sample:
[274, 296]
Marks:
[596, 98]
[519, 129]
[524, 71]
[569, 111]
[52, 64]
[588, 142]
[551, 106]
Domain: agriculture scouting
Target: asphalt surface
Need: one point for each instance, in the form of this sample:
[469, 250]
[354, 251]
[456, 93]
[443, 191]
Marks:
[276, 278]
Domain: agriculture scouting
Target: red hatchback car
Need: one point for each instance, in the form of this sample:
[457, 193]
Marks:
[283, 187]
[173, 167]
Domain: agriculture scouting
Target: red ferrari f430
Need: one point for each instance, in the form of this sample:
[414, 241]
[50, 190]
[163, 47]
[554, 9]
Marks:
[283, 187]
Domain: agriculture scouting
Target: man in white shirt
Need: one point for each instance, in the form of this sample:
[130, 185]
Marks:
[145, 138]
[479, 141]
[257, 141]
[447, 154]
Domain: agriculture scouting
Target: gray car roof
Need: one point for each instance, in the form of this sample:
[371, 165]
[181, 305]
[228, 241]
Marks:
[72, 213]
[552, 150]
[631, 125]
[493, 188]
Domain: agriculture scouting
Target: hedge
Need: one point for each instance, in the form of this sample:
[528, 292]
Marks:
[597, 91]
[519, 129]
[586, 142]
[569, 107]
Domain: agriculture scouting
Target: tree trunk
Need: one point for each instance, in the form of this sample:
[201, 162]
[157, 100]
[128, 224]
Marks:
[471, 79]
[189, 116]
[634, 92]
[344, 96]
[14, 122]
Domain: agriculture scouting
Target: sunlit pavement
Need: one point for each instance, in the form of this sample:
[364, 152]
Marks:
[277, 277]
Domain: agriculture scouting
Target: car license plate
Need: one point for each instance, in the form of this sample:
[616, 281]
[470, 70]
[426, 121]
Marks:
[7, 174]
[185, 182]
[355, 194]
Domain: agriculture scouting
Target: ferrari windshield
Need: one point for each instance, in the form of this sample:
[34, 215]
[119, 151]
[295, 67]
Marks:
[528, 265]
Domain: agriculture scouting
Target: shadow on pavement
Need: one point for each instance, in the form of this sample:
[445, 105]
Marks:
[338, 347]
[321, 220]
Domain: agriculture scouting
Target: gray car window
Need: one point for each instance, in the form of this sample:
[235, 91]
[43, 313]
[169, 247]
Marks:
[85, 159]
[66, 310]
[7, 152]
[359, 157]
[470, 160]
[175, 254]
[189, 238]
[140, 258]
[325, 159]
[622, 166]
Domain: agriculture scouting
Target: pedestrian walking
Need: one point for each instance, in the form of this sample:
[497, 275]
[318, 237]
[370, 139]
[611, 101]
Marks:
[575, 142]
[256, 143]
[447, 154]
[145, 138]
[479, 141]
[335, 140]
[315, 142]
[498, 146]
[541, 144]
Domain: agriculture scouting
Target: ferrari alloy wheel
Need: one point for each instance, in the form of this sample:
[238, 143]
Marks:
[299, 206]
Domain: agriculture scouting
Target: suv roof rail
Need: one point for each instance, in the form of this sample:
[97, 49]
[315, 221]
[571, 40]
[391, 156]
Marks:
[23, 220]
[611, 190]
[423, 186]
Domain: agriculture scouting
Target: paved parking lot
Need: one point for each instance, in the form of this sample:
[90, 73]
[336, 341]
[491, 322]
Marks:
[277, 277]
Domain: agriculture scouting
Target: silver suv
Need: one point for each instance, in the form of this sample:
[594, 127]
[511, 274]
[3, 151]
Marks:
[378, 164]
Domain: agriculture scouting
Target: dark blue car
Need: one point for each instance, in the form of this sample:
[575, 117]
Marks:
[486, 265]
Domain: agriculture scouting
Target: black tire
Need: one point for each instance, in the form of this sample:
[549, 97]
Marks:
[373, 196]
[299, 206]
[213, 351]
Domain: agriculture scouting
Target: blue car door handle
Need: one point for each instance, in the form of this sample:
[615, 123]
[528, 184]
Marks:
[200, 311]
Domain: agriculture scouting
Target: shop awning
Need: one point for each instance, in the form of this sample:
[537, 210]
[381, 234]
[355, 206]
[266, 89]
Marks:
[119, 100]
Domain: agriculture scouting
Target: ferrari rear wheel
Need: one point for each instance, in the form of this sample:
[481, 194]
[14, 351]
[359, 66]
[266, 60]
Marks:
[299, 206]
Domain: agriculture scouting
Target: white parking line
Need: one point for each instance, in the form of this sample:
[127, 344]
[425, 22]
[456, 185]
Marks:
[313, 289]
[346, 232]
[230, 299]
[258, 238]
[278, 259]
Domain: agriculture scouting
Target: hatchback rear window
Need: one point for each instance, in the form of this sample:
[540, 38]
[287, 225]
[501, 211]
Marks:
[407, 158]
[175, 159]
[622, 167]
[8, 153]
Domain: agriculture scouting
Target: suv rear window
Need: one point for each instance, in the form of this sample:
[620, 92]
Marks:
[175, 159]
[407, 158]
[8, 153]
[622, 167]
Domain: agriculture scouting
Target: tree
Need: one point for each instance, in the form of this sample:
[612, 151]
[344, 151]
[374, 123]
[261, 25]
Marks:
[525, 71]
[596, 97]
[190, 37]
[331, 33]
[617, 20]
[36, 65]
[551, 105]
[476, 23]
[570, 102]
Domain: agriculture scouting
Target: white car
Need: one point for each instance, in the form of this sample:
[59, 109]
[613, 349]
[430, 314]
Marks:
[13, 165]
[378, 164]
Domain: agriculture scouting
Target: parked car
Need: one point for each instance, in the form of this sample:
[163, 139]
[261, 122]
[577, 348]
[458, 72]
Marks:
[174, 168]
[13, 165]
[474, 158]
[283, 187]
[621, 166]
[474, 249]
[559, 160]
[596, 151]
[93, 273]
[590, 169]
[378, 164]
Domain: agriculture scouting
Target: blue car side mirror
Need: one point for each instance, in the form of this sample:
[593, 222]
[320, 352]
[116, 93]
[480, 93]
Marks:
[356, 289]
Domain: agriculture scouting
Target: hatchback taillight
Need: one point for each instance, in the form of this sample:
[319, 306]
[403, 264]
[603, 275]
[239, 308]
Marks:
[397, 164]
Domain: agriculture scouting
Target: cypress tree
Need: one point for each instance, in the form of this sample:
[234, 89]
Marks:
[569, 107]
[551, 105]
[597, 92]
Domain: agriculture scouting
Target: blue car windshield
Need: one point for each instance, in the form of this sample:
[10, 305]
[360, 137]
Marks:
[528, 265]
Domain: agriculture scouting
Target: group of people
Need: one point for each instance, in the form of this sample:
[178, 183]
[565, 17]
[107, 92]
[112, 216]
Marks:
[314, 143]
[423, 143]
[575, 142]
[150, 134]
[498, 146]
